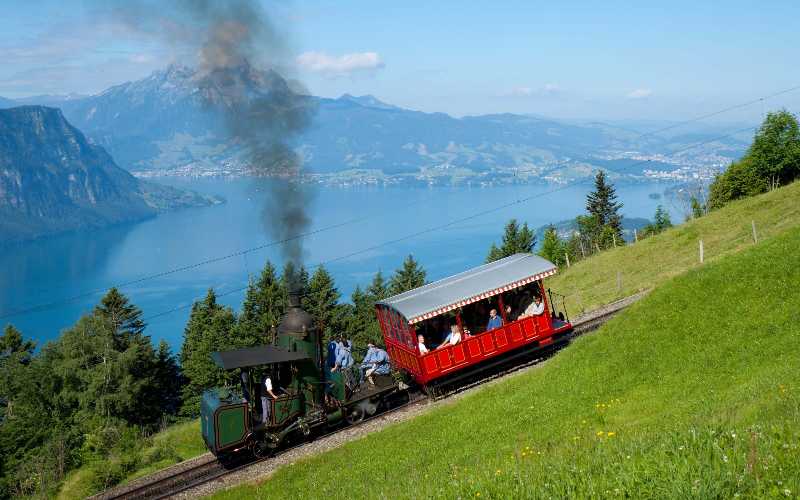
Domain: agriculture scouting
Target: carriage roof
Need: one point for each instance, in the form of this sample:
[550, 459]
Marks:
[470, 286]
[255, 356]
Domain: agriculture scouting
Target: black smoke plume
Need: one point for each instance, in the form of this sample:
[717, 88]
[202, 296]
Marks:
[262, 113]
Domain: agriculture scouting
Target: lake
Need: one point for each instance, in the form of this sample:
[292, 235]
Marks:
[68, 274]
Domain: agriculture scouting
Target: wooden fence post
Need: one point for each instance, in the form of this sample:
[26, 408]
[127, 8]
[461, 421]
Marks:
[755, 235]
[583, 252]
[614, 236]
[635, 236]
[597, 247]
[566, 254]
[701, 251]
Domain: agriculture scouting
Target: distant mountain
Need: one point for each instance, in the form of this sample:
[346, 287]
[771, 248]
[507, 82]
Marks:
[171, 121]
[52, 179]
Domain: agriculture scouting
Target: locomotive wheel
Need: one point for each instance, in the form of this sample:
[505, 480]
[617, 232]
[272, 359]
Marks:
[354, 414]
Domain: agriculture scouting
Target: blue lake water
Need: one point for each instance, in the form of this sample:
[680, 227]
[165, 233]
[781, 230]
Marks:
[50, 272]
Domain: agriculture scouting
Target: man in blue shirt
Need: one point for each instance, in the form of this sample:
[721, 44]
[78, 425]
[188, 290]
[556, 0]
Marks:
[376, 361]
[495, 321]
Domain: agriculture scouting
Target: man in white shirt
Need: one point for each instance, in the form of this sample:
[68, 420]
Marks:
[535, 309]
[421, 344]
[265, 406]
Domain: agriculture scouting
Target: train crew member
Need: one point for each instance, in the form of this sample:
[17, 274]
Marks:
[265, 406]
[535, 309]
[379, 364]
[421, 344]
[453, 338]
[375, 361]
[344, 355]
[330, 361]
[495, 321]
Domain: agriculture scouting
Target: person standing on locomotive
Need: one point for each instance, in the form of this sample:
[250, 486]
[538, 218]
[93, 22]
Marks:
[265, 403]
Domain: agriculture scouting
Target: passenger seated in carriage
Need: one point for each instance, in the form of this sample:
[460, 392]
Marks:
[495, 321]
[452, 338]
[536, 308]
[423, 349]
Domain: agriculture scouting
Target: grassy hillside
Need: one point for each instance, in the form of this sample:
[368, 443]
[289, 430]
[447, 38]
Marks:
[648, 263]
[694, 391]
[175, 444]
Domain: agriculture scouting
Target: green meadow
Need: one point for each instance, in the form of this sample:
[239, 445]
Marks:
[593, 282]
[692, 392]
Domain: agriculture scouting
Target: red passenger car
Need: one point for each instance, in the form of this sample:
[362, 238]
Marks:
[463, 304]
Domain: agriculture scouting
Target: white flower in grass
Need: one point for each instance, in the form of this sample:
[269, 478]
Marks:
[787, 492]
[725, 458]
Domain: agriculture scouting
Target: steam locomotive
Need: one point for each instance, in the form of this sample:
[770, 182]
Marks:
[311, 397]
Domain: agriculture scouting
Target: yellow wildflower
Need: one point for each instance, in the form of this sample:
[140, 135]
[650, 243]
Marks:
[599, 433]
[612, 434]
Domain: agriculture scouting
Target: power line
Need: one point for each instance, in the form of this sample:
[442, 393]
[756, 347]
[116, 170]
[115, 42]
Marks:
[239, 253]
[394, 241]
[53, 304]
[451, 223]
[719, 112]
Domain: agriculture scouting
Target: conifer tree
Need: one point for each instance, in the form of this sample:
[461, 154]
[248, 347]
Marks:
[209, 329]
[264, 304]
[124, 317]
[409, 276]
[553, 248]
[322, 300]
[516, 239]
[378, 289]
[661, 219]
[603, 224]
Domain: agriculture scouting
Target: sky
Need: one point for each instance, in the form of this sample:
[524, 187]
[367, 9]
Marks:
[571, 60]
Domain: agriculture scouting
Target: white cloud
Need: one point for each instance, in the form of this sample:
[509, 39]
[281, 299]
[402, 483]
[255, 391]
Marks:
[640, 94]
[546, 89]
[344, 65]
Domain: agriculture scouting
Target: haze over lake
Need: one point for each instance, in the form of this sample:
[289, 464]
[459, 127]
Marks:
[59, 268]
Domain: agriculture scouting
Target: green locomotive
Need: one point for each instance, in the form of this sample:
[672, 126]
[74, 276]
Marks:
[308, 396]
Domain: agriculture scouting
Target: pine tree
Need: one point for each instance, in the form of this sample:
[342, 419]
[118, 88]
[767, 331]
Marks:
[516, 239]
[378, 289]
[124, 318]
[210, 328]
[169, 379]
[604, 225]
[264, 304]
[15, 354]
[322, 300]
[553, 249]
[698, 210]
[408, 277]
[661, 219]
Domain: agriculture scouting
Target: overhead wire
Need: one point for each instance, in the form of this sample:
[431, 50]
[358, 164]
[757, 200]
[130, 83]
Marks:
[244, 252]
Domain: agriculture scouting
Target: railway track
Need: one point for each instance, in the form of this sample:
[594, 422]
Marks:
[211, 469]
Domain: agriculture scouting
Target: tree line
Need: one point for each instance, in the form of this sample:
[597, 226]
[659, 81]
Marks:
[89, 397]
